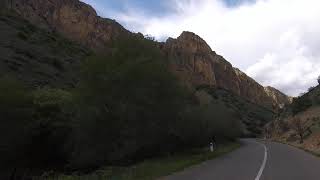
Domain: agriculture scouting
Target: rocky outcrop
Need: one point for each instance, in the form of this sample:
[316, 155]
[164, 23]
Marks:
[72, 18]
[277, 96]
[253, 91]
[197, 65]
[188, 56]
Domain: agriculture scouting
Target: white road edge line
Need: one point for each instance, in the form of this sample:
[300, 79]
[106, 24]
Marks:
[263, 163]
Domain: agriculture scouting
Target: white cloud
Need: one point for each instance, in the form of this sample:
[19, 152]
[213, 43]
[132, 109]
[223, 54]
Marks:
[276, 42]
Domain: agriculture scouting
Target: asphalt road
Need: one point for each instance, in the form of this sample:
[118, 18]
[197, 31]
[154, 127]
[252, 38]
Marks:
[256, 161]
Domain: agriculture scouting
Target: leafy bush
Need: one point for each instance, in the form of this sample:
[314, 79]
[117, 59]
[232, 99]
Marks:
[128, 104]
[199, 124]
[51, 126]
[34, 127]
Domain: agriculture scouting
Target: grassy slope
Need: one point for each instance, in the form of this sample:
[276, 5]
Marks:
[153, 168]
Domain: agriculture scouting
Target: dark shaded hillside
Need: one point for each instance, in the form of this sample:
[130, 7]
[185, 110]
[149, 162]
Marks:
[125, 106]
[36, 56]
[253, 116]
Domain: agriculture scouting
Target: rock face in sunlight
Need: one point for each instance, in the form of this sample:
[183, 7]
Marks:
[277, 96]
[191, 59]
[189, 56]
[74, 19]
[197, 65]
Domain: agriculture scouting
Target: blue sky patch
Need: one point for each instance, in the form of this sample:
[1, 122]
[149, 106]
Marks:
[149, 7]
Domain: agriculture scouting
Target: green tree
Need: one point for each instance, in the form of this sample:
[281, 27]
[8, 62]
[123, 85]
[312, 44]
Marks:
[128, 103]
[34, 127]
[51, 127]
[199, 124]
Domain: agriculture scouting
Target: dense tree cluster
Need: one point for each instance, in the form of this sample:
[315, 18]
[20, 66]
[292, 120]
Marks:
[126, 107]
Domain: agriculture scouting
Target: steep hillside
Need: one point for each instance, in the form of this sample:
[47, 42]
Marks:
[123, 106]
[252, 116]
[36, 56]
[299, 122]
[190, 56]
[101, 95]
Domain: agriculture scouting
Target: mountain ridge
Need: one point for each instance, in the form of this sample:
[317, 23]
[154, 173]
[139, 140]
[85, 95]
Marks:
[197, 65]
[192, 59]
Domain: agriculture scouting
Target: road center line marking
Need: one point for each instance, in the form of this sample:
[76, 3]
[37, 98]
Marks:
[263, 163]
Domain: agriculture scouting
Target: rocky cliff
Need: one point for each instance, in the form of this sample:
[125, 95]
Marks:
[72, 18]
[197, 65]
[277, 96]
[191, 59]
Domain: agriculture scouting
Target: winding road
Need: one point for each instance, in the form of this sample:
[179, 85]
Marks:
[256, 160]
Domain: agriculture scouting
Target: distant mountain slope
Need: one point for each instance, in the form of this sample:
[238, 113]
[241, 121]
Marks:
[191, 58]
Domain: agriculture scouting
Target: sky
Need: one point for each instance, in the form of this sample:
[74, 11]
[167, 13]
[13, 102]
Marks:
[276, 42]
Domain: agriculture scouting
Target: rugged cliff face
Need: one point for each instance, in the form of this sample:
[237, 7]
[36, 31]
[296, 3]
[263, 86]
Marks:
[191, 59]
[277, 96]
[196, 64]
[72, 18]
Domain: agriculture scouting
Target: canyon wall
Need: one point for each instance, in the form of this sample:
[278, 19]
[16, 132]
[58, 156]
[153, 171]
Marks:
[191, 58]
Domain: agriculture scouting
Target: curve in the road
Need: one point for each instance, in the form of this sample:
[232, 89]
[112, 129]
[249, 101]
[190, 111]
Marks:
[263, 163]
[272, 161]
